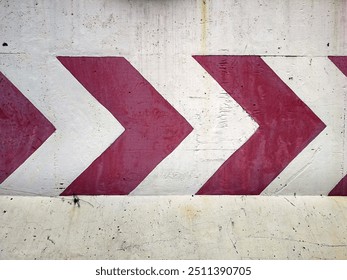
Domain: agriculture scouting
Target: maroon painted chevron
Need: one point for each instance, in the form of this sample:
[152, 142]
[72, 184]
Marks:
[153, 128]
[286, 125]
[340, 62]
[22, 128]
[341, 188]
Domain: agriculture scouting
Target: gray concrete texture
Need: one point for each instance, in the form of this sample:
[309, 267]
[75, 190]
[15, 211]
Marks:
[173, 228]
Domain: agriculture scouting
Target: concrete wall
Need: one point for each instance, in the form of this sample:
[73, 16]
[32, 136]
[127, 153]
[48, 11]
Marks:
[106, 227]
[266, 114]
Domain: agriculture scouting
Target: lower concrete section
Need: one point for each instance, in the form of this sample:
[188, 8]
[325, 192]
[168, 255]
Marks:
[175, 227]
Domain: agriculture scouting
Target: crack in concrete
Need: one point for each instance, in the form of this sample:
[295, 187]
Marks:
[300, 241]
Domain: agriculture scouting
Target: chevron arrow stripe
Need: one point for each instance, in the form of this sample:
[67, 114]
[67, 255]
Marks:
[153, 128]
[341, 188]
[286, 124]
[340, 62]
[159, 152]
[322, 164]
[221, 126]
[84, 128]
[23, 128]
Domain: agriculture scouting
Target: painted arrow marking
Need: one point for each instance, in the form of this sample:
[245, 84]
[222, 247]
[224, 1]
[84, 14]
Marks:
[153, 128]
[286, 124]
[65, 154]
[221, 126]
[23, 128]
[322, 164]
[341, 188]
[84, 128]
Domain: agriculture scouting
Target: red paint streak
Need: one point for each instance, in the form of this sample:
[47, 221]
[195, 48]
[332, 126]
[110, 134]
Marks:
[286, 125]
[22, 128]
[341, 188]
[153, 128]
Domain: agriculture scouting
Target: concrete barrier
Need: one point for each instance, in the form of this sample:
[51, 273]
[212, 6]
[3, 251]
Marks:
[175, 227]
[161, 100]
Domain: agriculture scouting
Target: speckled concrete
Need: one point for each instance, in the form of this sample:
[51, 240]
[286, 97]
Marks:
[176, 227]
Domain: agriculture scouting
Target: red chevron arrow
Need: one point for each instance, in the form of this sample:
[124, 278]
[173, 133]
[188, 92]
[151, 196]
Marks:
[341, 188]
[153, 128]
[286, 124]
[22, 128]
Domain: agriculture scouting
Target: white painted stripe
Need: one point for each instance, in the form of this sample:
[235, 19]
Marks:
[84, 128]
[323, 87]
[220, 125]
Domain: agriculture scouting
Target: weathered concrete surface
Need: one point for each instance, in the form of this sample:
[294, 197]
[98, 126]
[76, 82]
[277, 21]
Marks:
[173, 228]
[159, 38]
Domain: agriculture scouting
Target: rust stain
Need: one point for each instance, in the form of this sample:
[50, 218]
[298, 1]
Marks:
[189, 212]
[204, 17]
[342, 24]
